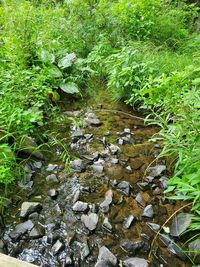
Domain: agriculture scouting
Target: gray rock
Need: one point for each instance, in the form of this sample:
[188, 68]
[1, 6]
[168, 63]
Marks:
[104, 206]
[140, 200]
[114, 161]
[92, 120]
[85, 250]
[37, 164]
[77, 134]
[143, 185]
[52, 178]
[21, 229]
[132, 246]
[77, 165]
[107, 225]
[106, 255]
[103, 263]
[76, 195]
[96, 168]
[124, 187]
[127, 131]
[90, 221]
[135, 262]
[164, 182]
[57, 247]
[114, 149]
[29, 207]
[148, 211]
[177, 250]
[153, 226]
[157, 170]
[120, 141]
[68, 261]
[52, 167]
[129, 169]
[53, 193]
[37, 231]
[80, 206]
[128, 221]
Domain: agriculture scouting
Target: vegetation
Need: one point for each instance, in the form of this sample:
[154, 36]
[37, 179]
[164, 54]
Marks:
[146, 50]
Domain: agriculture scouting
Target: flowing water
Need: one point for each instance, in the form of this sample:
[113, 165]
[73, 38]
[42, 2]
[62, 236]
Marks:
[60, 236]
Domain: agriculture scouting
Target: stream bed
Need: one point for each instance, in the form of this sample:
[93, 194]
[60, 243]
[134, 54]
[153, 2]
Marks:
[107, 209]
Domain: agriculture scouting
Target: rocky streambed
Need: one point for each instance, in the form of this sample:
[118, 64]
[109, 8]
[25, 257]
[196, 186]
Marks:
[104, 212]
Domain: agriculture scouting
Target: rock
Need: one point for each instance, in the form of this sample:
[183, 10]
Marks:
[129, 169]
[164, 182]
[153, 226]
[21, 229]
[37, 231]
[29, 207]
[148, 211]
[77, 165]
[57, 210]
[57, 247]
[103, 263]
[52, 167]
[52, 178]
[76, 195]
[90, 221]
[104, 206]
[127, 131]
[157, 191]
[98, 169]
[135, 262]
[75, 113]
[132, 246]
[180, 223]
[157, 170]
[106, 255]
[80, 206]
[107, 225]
[27, 145]
[68, 261]
[114, 161]
[29, 255]
[124, 187]
[140, 200]
[37, 164]
[34, 216]
[53, 193]
[92, 120]
[85, 250]
[77, 134]
[128, 221]
[177, 250]
[120, 141]
[143, 185]
[114, 149]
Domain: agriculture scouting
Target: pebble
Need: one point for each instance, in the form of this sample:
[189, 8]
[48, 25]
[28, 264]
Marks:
[21, 229]
[135, 262]
[80, 206]
[29, 207]
[106, 255]
[128, 221]
[52, 178]
[107, 225]
[90, 221]
[148, 211]
[77, 165]
[124, 187]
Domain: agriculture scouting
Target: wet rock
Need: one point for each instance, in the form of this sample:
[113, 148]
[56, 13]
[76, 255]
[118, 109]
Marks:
[52, 178]
[21, 229]
[135, 262]
[37, 231]
[140, 200]
[77, 165]
[114, 149]
[132, 246]
[128, 221]
[53, 193]
[90, 221]
[57, 247]
[148, 211]
[106, 255]
[157, 170]
[77, 134]
[180, 223]
[107, 225]
[80, 206]
[129, 169]
[104, 206]
[124, 187]
[29, 207]
[52, 167]
[153, 226]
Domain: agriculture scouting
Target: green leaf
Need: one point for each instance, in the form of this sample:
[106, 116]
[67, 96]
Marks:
[55, 72]
[69, 88]
[67, 61]
[47, 57]
[196, 81]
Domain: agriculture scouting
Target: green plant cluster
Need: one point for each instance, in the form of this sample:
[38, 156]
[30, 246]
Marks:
[146, 50]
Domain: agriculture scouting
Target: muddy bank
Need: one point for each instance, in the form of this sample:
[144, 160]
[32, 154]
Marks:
[105, 209]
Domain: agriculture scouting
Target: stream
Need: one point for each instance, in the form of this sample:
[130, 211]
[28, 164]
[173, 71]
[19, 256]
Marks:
[107, 209]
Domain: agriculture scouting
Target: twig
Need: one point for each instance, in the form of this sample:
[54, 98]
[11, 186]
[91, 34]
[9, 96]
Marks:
[153, 241]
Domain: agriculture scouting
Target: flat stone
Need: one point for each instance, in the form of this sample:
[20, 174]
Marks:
[148, 211]
[92, 120]
[77, 165]
[37, 231]
[104, 206]
[180, 223]
[76, 195]
[153, 226]
[177, 250]
[128, 221]
[80, 206]
[157, 170]
[29, 207]
[106, 255]
[52, 178]
[90, 221]
[194, 247]
[57, 247]
[68, 261]
[107, 225]
[21, 229]
[135, 262]
[124, 187]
